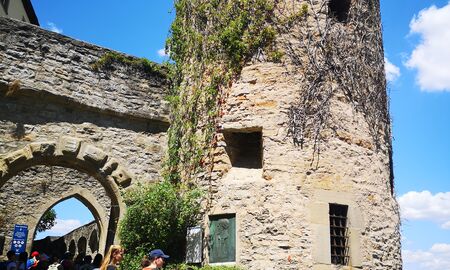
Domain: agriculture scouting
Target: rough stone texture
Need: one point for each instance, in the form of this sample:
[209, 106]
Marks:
[51, 65]
[282, 209]
[30, 193]
[107, 128]
[83, 240]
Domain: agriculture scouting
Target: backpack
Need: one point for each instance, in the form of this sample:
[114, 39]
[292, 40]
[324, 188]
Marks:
[54, 266]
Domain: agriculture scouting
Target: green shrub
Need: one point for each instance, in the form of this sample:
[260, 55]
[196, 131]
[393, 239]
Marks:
[157, 217]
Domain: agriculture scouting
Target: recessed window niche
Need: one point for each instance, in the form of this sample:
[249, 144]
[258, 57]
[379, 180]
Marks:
[339, 9]
[244, 149]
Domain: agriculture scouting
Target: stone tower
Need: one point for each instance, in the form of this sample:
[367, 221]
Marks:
[301, 160]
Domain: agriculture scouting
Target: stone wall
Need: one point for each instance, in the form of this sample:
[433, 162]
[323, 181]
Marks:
[83, 240]
[282, 209]
[69, 130]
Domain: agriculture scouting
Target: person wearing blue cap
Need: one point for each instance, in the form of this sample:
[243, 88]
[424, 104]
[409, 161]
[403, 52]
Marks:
[157, 258]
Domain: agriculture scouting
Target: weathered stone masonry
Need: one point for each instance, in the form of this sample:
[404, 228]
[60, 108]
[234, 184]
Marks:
[67, 130]
[282, 209]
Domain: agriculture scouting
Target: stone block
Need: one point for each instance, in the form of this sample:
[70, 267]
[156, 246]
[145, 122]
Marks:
[121, 177]
[18, 156]
[110, 165]
[94, 155]
[319, 213]
[3, 168]
[322, 249]
[43, 149]
[355, 247]
[69, 146]
[322, 267]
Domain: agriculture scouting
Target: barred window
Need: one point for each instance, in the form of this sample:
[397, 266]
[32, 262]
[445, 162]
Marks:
[338, 234]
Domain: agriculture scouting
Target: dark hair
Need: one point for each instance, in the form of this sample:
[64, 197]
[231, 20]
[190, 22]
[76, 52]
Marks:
[10, 254]
[145, 262]
[97, 260]
[23, 256]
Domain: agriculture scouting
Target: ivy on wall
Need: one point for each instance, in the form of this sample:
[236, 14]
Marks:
[210, 42]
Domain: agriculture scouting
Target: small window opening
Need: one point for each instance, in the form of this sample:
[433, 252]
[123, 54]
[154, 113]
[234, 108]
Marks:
[339, 234]
[244, 149]
[339, 9]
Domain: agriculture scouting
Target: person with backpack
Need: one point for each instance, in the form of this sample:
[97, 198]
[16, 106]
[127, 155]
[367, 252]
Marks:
[55, 264]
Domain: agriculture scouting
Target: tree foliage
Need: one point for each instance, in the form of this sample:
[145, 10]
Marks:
[47, 221]
[157, 217]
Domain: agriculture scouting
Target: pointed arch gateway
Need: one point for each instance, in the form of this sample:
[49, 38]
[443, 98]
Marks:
[80, 155]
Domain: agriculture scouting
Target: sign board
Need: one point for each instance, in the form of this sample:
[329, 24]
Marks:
[19, 240]
[222, 245]
[194, 247]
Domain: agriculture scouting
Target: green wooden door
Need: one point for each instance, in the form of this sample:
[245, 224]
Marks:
[222, 245]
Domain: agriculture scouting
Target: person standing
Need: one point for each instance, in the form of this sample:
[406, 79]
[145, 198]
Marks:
[112, 258]
[98, 259]
[32, 263]
[22, 262]
[11, 264]
[157, 259]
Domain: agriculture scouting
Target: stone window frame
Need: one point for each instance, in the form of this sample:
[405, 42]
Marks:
[320, 222]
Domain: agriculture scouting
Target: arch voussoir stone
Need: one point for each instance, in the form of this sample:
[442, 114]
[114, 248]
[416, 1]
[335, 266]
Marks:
[43, 149]
[68, 146]
[110, 166]
[67, 150]
[93, 155]
[121, 177]
[18, 156]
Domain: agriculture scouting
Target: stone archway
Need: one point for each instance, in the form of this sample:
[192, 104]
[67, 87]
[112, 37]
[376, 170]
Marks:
[82, 245]
[101, 217]
[81, 156]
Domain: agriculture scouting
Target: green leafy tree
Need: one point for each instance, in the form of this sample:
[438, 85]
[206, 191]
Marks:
[47, 221]
[157, 216]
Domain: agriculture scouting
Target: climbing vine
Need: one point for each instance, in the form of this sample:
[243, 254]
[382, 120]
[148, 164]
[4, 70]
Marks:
[331, 59]
[337, 58]
[210, 42]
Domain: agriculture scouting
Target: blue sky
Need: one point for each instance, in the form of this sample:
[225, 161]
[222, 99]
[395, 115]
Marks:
[417, 49]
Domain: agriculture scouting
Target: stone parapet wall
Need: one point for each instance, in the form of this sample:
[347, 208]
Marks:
[47, 64]
[70, 130]
[82, 240]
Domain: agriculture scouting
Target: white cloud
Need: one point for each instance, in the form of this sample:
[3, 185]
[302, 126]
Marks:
[426, 206]
[437, 258]
[63, 226]
[162, 53]
[446, 225]
[431, 57]
[52, 27]
[391, 70]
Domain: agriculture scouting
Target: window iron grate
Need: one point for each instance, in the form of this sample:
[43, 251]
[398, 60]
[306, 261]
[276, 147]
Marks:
[339, 234]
